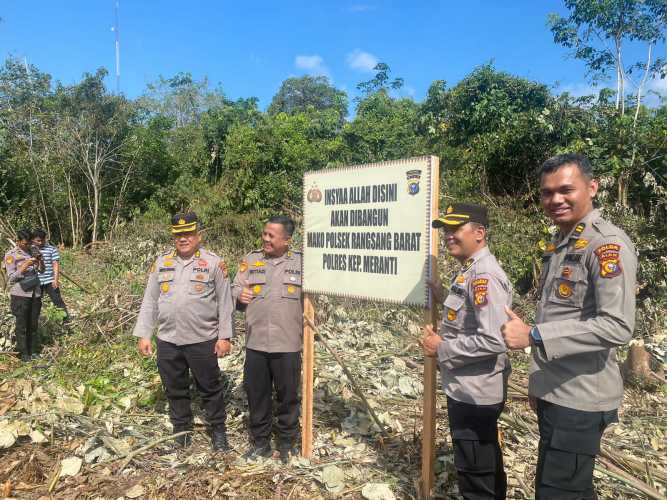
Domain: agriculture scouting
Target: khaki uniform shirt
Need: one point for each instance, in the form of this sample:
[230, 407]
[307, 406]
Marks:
[190, 300]
[13, 258]
[586, 310]
[473, 357]
[274, 317]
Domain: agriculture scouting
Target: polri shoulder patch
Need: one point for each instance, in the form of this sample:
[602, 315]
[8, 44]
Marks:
[609, 257]
[480, 291]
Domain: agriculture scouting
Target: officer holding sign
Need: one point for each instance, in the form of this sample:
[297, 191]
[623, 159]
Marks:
[471, 353]
[585, 311]
[268, 288]
[189, 297]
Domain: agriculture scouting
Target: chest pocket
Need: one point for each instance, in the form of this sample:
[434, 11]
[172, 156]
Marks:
[454, 310]
[569, 284]
[165, 279]
[291, 287]
[257, 284]
[201, 283]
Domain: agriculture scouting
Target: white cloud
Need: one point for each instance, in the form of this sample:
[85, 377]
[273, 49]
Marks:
[580, 89]
[360, 7]
[653, 90]
[362, 61]
[313, 65]
[658, 85]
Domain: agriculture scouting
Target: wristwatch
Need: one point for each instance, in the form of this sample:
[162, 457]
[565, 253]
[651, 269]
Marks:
[535, 335]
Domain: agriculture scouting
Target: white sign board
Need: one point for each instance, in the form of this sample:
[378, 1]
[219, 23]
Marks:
[367, 231]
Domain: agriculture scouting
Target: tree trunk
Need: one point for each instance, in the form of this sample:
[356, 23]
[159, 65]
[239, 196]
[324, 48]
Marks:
[620, 76]
[638, 368]
[641, 86]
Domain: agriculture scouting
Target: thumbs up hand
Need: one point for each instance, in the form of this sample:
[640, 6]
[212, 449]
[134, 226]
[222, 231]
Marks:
[430, 341]
[515, 332]
[246, 295]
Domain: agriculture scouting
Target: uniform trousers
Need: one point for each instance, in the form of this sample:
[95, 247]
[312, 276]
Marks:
[478, 458]
[174, 362]
[26, 311]
[569, 441]
[264, 371]
[56, 297]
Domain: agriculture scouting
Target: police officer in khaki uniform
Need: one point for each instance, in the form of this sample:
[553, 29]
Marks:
[471, 352]
[268, 288]
[189, 297]
[586, 309]
[25, 293]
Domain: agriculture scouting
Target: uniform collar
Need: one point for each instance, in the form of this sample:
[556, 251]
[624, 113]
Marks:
[476, 257]
[277, 260]
[578, 229]
[195, 255]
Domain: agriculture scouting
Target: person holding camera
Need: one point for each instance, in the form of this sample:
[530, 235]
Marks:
[50, 278]
[23, 263]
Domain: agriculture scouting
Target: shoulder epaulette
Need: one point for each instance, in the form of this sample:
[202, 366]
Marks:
[606, 228]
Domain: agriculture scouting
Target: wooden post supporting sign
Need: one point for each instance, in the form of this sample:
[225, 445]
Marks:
[307, 364]
[430, 364]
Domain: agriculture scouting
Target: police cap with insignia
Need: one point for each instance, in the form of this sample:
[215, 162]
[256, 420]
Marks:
[458, 214]
[184, 223]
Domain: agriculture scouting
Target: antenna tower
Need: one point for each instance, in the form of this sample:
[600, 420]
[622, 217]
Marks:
[117, 32]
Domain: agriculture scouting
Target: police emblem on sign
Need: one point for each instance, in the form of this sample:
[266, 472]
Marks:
[314, 194]
[413, 181]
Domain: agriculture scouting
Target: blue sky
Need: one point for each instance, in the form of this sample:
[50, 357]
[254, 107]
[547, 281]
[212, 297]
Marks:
[250, 48]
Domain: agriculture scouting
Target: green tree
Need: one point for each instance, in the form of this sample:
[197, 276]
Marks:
[296, 95]
[596, 32]
[384, 129]
[500, 126]
[181, 98]
[380, 82]
[264, 163]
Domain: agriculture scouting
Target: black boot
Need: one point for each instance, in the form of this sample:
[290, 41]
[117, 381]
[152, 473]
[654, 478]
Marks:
[219, 439]
[184, 440]
[286, 450]
[258, 451]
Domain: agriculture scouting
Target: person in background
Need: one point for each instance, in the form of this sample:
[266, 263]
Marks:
[22, 264]
[50, 278]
